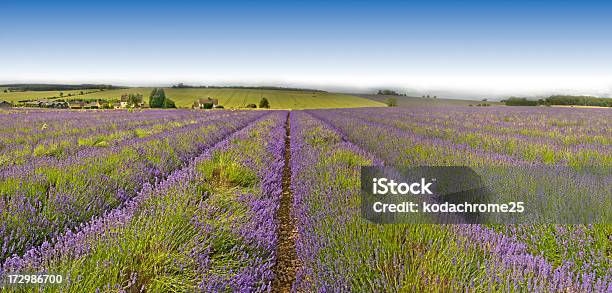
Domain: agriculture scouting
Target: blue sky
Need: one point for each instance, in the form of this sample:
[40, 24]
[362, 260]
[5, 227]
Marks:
[467, 47]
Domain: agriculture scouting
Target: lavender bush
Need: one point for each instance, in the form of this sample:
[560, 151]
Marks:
[515, 264]
[41, 199]
[209, 227]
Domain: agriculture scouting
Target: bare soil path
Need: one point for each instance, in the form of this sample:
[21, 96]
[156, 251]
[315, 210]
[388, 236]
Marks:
[286, 257]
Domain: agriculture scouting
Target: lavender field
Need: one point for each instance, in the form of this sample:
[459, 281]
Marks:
[365, 257]
[269, 201]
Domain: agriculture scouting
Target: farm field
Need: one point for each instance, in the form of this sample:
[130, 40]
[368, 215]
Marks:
[18, 96]
[229, 98]
[545, 258]
[260, 201]
[405, 101]
[237, 98]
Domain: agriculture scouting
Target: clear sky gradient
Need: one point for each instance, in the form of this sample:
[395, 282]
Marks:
[469, 47]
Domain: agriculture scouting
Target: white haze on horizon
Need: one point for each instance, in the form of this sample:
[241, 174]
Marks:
[447, 86]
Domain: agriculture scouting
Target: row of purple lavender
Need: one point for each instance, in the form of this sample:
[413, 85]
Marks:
[43, 198]
[515, 261]
[208, 227]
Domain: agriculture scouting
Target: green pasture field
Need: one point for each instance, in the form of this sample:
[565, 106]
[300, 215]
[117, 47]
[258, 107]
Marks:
[33, 95]
[239, 98]
[236, 98]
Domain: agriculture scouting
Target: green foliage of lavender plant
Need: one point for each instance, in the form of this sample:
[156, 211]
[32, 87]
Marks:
[431, 139]
[179, 236]
[44, 198]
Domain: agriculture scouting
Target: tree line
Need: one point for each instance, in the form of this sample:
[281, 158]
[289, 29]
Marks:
[57, 87]
[560, 100]
[387, 93]
[279, 88]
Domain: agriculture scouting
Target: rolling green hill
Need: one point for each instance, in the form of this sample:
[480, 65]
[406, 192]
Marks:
[228, 97]
[18, 96]
[236, 98]
[404, 101]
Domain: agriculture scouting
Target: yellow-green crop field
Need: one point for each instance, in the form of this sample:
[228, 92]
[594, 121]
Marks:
[229, 98]
[29, 95]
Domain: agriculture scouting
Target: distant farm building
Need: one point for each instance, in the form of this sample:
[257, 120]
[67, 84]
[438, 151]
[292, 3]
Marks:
[47, 104]
[77, 105]
[5, 104]
[33, 104]
[124, 101]
[207, 103]
[92, 105]
[85, 105]
[57, 105]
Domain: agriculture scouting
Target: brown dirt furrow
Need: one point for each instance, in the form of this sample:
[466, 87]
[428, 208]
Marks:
[287, 261]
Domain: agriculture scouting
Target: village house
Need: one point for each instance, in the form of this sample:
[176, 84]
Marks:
[5, 104]
[92, 105]
[47, 104]
[105, 105]
[124, 101]
[33, 104]
[77, 105]
[201, 103]
[57, 105]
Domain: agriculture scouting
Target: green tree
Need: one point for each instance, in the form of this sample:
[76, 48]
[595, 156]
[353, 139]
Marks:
[391, 102]
[263, 103]
[168, 104]
[157, 98]
[514, 101]
[387, 92]
[578, 100]
[134, 100]
[153, 98]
